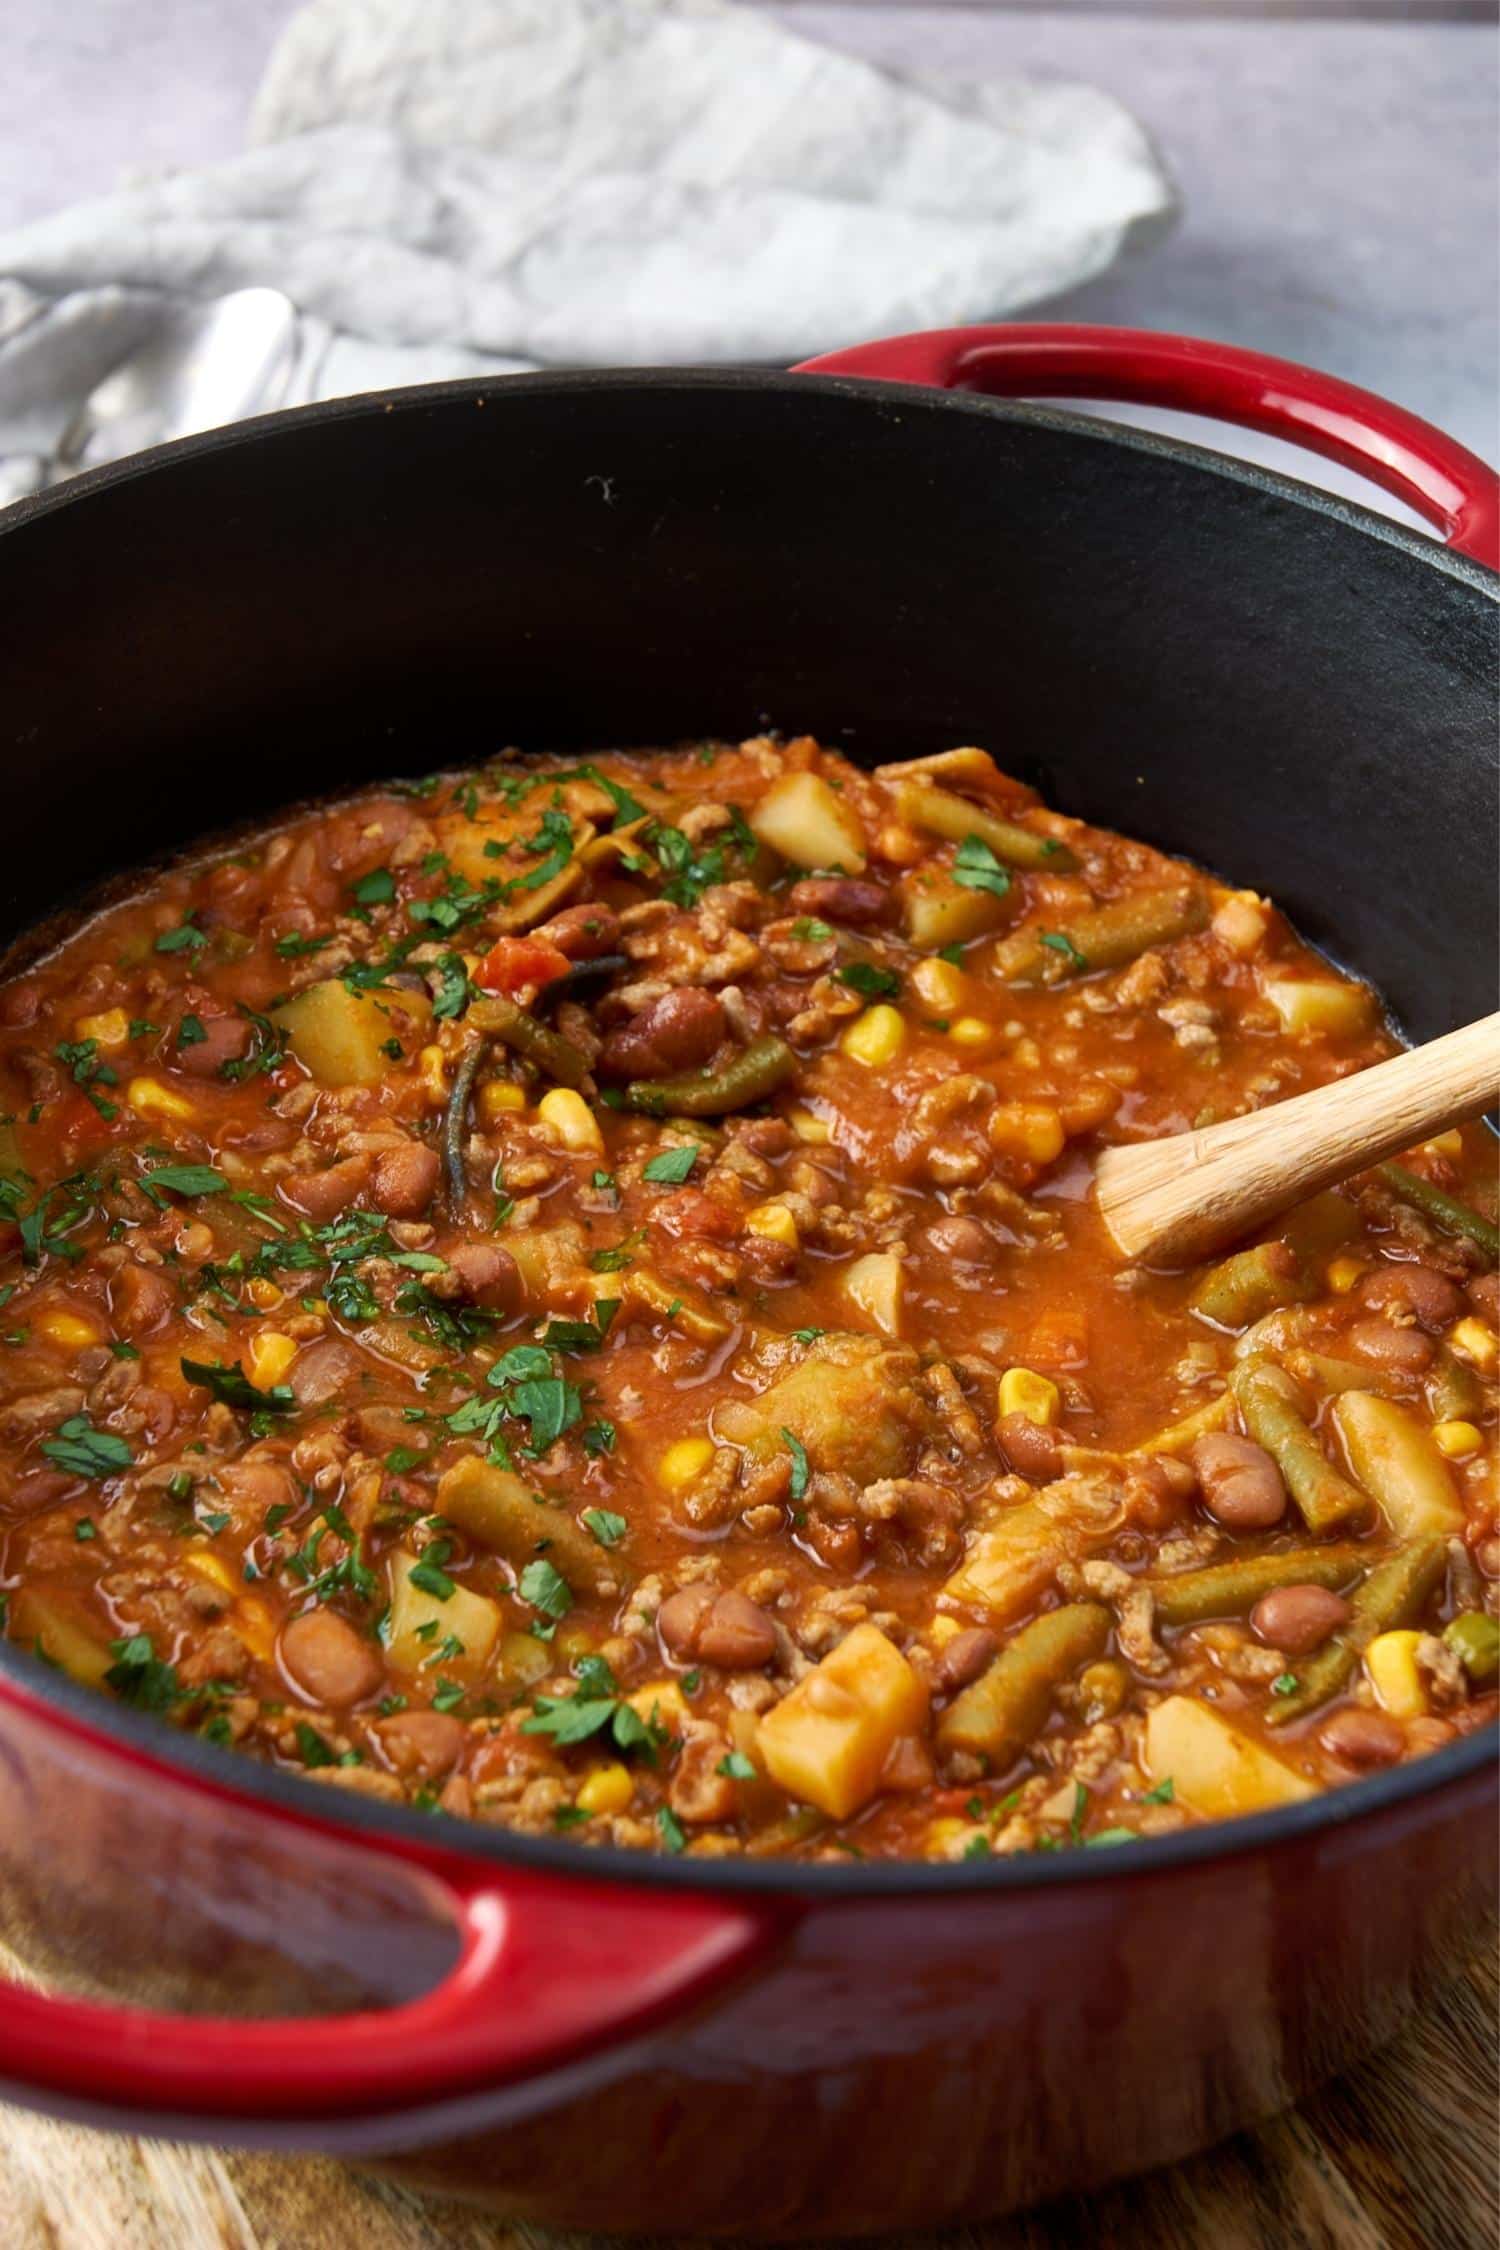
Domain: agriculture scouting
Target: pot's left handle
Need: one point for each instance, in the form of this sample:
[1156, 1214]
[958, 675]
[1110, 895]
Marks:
[549, 1969]
[547, 1973]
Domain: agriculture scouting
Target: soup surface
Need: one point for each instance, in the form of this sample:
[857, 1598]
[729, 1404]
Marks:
[571, 1294]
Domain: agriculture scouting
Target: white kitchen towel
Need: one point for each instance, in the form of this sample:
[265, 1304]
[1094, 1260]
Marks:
[458, 186]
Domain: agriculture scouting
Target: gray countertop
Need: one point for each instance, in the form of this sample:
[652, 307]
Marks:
[1337, 175]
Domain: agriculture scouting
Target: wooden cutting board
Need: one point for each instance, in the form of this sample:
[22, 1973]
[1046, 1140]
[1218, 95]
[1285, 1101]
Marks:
[1401, 2155]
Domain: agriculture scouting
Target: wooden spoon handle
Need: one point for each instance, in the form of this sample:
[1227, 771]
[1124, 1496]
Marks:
[1181, 1197]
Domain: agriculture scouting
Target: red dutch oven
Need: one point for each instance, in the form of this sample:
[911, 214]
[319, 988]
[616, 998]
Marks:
[1247, 671]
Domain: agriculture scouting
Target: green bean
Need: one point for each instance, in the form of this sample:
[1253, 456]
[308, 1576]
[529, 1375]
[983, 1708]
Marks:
[1105, 939]
[456, 1120]
[1475, 1640]
[752, 1074]
[941, 813]
[555, 1056]
[1394, 1593]
[1010, 1700]
[1249, 1285]
[1330, 1376]
[1445, 1211]
[1232, 1589]
[1454, 1391]
[1268, 1399]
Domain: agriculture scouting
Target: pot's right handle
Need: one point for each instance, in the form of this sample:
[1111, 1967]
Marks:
[1431, 473]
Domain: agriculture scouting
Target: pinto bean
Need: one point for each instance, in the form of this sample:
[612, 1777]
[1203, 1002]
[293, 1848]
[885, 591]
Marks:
[321, 1196]
[842, 898]
[487, 1274]
[680, 1029]
[141, 1298]
[20, 1003]
[326, 1660]
[1484, 1296]
[961, 1241]
[1362, 1738]
[1241, 1484]
[225, 1039]
[582, 932]
[1298, 1618]
[405, 1179]
[963, 1659]
[321, 1370]
[1405, 1351]
[1433, 1301]
[1031, 1449]
[699, 1626]
[423, 1745]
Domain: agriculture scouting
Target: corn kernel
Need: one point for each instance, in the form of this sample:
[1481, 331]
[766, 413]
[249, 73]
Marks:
[1026, 1055]
[574, 1641]
[943, 1629]
[500, 1097]
[1456, 1439]
[808, 1128]
[1476, 1342]
[1343, 1274]
[661, 1704]
[775, 1222]
[67, 1328]
[1035, 1396]
[572, 1121]
[970, 1031]
[608, 1789]
[268, 1358]
[876, 1037]
[112, 1029]
[1449, 1144]
[205, 1564]
[256, 1627]
[263, 1294]
[434, 1073]
[1391, 1661]
[683, 1463]
[938, 985]
[149, 1098]
[1030, 1130]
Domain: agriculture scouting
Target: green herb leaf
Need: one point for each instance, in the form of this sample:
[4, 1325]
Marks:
[869, 980]
[608, 1528]
[184, 939]
[808, 930]
[1060, 942]
[377, 888]
[314, 1750]
[800, 1470]
[542, 1586]
[1162, 1794]
[669, 1828]
[672, 1166]
[735, 1767]
[138, 1677]
[82, 1451]
[182, 1179]
[231, 1386]
[977, 869]
[428, 1572]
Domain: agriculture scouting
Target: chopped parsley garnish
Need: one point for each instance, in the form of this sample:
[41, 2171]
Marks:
[85, 1529]
[186, 938]
[808, 930]
[1285, 1683]
[608, 1528]
[800, 1470]
[978, 1847]
[669, 1828]
[376, 889]
[447, 1695]
[182, 1179]
[314, 1750]
[81, 1058]
[453, 988]
[429, 1575]
[190, 1032]
[1162, 1794]
[80, 1450]
[869, 980]
[807, 1335]
[1060, 942]
[215, 1520]
[139, 1677]
[231, 1386]
[293, 946]
[1103, 1838]
[672, 1166]
[545, 1589]
[977, 869]
[735, 1767]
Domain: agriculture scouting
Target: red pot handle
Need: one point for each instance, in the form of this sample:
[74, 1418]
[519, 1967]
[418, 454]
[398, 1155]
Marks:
[550, 1969]
[1434, 475]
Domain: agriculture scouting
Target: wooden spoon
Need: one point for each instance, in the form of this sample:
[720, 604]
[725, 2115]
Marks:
[1179, 1198]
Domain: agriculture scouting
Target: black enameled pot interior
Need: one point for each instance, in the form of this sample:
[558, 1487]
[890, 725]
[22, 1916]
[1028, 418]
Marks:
[1290, 691]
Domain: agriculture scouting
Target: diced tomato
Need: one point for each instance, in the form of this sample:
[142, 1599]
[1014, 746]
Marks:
[520, 965]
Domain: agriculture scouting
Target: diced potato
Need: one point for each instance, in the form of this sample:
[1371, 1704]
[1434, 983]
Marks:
[850, 1401]
[1214, 1770]
[550, 1258]
[774, 1223]
[808, 823]
[339, 1036]
[937, 911]
[873, 1285]
[495, 1507]
[826, 1742]
[1393, 1456]
[1317, 1004]
[148, 1097]
[1391, 1661]
[468, 1617]
[1014, 1557]
[43, 1620]
[1023, 1391]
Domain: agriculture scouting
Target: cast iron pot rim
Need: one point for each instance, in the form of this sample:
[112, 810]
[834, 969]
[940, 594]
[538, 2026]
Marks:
[241, 1776]
[1205, 460]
